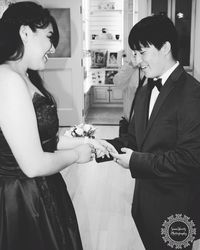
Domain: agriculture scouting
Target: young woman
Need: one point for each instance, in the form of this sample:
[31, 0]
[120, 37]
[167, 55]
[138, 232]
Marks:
[35, 209]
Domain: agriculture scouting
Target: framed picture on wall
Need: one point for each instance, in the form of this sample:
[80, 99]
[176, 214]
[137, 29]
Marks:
[62, 17]
[109, 74]
[98, 58]
[114, 59]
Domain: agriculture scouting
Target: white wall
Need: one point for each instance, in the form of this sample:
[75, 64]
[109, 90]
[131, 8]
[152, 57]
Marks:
[197, 44]
[142, 9]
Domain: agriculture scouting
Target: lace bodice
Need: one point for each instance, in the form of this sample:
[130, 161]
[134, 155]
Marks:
[46, 114]
[47, 120]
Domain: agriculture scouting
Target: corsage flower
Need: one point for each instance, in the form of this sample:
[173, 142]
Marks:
[83, 130]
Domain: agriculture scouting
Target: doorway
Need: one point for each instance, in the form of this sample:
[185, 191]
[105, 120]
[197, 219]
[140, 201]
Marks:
[103, 36]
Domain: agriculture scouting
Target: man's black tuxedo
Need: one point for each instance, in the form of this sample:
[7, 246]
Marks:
[166, 157]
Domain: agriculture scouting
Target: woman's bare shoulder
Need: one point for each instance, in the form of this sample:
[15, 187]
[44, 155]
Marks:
[7, 73]
[10, 78]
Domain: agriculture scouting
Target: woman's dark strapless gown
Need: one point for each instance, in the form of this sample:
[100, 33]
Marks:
[36, 213]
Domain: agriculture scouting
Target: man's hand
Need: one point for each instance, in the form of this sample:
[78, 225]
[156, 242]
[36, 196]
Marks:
[123, 159]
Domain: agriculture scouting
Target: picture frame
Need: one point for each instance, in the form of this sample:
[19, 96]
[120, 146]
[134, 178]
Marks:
[62, 17]
[98, 58]
[114, 59]
[109, 74]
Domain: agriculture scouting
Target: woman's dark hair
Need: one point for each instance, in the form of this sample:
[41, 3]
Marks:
[154, 30]
[37, 81]
[11, 46]
[22, 13]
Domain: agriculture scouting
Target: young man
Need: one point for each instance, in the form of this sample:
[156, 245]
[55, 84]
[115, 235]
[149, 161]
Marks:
[162, 147]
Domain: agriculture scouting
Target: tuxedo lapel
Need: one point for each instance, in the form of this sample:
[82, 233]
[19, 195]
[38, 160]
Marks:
[165, 91]
[141, 114]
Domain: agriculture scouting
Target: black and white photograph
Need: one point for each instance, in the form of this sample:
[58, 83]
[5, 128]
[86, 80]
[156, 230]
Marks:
[109, 74]
[114, 59]
[99, 125]
[98, 58]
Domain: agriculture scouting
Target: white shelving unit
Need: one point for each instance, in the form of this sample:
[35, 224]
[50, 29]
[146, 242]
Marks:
[107, 15]
[109, 19]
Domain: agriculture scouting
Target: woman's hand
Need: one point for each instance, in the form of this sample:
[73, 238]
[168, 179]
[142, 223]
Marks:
[85, 153]
[123, 159]
[101, 147]
[109, 147]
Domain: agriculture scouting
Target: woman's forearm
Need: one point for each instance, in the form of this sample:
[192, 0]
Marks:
[67, 142]
[49, 163]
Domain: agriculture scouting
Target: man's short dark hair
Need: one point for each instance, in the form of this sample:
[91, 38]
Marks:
[154, 30]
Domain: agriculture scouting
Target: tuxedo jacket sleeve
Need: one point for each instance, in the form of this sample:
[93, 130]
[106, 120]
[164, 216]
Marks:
[168, 144]
[127, 140]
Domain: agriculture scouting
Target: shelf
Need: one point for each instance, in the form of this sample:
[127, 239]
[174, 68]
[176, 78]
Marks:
[95, 11]
[105, 40]
[106, 22]
[102, 69]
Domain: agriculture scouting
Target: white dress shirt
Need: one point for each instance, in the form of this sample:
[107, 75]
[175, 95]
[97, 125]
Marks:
[155, 92]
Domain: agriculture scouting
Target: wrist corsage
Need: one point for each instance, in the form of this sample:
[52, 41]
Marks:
[83, 130]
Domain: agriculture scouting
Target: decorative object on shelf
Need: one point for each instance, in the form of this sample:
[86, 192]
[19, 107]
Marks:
[106, 5]
[98, 58]
[109, 74]
[117, 36]
[97, 77]
[104, 35]
[82, 130]
[114, 59]
[94, 36]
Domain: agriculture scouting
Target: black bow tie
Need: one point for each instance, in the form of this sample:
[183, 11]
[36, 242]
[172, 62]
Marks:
[152, 83]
